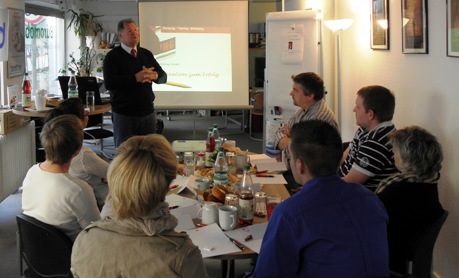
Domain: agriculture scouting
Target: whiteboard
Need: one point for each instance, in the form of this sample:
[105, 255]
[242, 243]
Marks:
[292, 47]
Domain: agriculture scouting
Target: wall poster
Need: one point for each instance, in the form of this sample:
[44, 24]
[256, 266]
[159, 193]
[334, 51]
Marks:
[16, 43]
[379, 24]
[452, 22]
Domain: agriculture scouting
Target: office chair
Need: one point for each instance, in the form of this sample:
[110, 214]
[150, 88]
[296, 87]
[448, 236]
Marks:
[258, 106]
[45, 249]
[95, 129]
[419, 256]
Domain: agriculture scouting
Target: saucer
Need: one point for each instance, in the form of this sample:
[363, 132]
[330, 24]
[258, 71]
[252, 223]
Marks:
[33, 109]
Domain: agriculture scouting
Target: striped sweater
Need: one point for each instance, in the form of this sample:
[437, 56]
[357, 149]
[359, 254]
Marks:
[371, 154]
[317, 111]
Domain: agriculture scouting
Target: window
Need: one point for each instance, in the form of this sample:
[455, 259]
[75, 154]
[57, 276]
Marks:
[44, 48]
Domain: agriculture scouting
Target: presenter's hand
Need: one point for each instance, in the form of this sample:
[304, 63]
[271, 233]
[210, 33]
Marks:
[146, 75]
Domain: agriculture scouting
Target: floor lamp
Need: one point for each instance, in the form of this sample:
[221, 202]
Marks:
[337, 26]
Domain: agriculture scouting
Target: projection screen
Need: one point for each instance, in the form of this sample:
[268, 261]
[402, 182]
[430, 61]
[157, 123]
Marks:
[203, 47]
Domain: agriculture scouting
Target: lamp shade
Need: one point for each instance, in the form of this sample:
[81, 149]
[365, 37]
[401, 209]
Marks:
[338, 24]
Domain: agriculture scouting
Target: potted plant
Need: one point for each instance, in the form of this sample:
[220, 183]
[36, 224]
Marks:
[88, 62]
[84, 23]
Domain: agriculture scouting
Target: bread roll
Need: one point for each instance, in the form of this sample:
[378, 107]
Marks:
[219, 192]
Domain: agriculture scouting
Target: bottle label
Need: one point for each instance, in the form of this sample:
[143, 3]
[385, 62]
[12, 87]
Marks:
[220, 178]
[246, 209]
[208, 158]
[26, 100]
[72, 94]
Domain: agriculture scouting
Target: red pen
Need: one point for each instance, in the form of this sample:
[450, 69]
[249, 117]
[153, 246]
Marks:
[264, 176]
[174, 186]
[261, 172]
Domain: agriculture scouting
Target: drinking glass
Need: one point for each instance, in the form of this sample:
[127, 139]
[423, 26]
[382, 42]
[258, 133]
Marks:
[189, 163]
[272, 202]
[260, 204]
[231, 200]
[90, 100]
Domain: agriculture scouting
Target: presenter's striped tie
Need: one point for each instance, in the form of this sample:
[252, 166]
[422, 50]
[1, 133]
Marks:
[134, 53]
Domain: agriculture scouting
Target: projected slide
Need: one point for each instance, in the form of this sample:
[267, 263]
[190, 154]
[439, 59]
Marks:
[196, 59]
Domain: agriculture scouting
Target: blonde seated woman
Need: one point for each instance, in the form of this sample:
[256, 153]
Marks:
[139, 241]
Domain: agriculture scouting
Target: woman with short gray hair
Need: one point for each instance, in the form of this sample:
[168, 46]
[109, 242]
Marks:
[411, 196]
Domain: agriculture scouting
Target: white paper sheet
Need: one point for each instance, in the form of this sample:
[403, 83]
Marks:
[185, 216]
[176, 200]
[275, 179]
[255, 158]
[181, 182]
[272, 165]
[257, 231]
[212, 241]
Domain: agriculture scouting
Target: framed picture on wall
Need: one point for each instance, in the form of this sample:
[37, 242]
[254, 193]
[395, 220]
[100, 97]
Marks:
[414, 26]
[379, 34]
[452, 23]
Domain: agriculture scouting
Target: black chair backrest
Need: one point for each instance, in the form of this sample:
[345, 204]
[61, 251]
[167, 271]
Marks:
[84, 84]
[45, 249]
[422, 248]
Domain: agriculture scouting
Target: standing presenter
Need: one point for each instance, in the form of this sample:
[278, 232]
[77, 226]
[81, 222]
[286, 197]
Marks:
[129, 71]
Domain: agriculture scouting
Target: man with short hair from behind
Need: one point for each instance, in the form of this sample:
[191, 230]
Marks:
[329, 228]
[369, 157]
[307, 93]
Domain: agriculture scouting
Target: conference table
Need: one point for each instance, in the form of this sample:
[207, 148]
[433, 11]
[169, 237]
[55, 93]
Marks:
[228, 260]
[30, 112]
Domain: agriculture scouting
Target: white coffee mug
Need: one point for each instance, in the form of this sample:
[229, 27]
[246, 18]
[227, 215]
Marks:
[208, 213]
[202, 183]
[242, 160]
[227, 216]
[40, 103]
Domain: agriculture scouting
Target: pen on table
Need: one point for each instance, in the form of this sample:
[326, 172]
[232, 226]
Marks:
[173, 207]
[261, 172]
[249, 237]
[237, 243]
[264, 176]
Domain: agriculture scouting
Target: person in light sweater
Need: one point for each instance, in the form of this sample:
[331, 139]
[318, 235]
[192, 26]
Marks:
[87, 165]
[50, 194]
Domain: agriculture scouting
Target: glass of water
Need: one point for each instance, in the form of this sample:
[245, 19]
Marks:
[90, 100]
[189, 163]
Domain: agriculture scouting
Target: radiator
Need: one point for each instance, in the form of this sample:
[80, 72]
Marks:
[17, 155]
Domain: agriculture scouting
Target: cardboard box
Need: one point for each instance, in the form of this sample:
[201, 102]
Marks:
[10, 121]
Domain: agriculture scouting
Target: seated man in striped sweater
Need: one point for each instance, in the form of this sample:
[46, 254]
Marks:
[369, 157]
[307, 93]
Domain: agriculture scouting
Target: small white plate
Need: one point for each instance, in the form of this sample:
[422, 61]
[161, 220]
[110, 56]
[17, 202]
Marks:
[35, 110]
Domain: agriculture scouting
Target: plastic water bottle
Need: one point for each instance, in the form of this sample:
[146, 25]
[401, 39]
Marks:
[246, 198]
[221, 168]
[26, 91]
[72, 92]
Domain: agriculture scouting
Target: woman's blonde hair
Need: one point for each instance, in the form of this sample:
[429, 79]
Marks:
[140, 175]
[420, 152]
